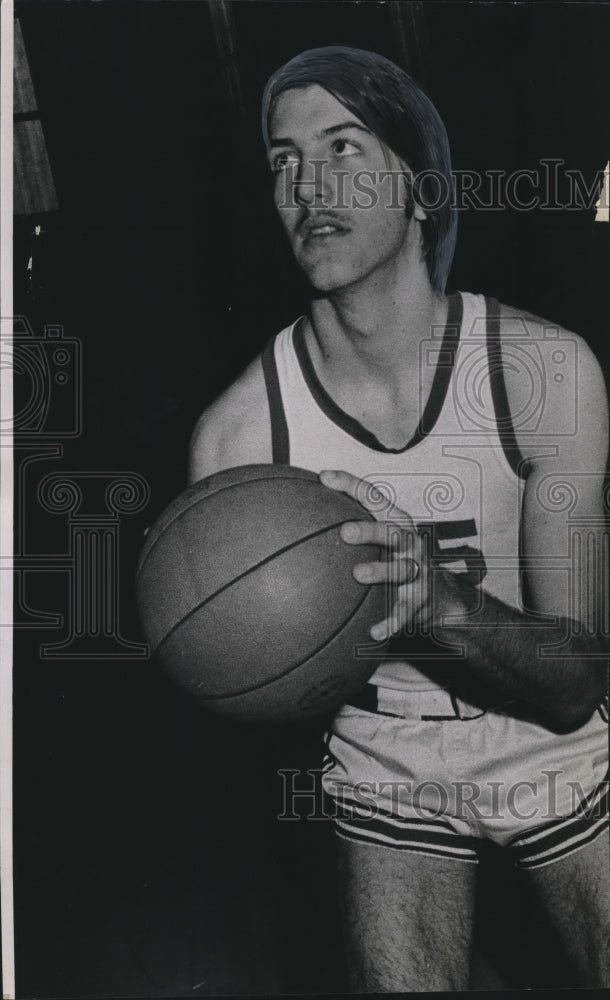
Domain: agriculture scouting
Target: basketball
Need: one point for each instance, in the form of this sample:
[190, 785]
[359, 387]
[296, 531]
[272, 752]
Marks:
[247, 599]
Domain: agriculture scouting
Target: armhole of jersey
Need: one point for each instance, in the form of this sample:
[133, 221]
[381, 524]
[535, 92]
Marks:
[504, 420]
[279, 427]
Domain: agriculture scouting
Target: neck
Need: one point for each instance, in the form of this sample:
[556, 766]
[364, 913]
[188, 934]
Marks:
[366, 327]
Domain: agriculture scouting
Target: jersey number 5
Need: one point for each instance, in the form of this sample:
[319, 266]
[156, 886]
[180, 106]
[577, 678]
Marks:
[447, 555]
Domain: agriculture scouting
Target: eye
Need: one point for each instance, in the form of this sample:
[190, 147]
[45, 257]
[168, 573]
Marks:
[344, 147]
[284, 161]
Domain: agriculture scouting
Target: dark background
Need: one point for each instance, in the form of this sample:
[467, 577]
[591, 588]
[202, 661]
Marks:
[148, 859]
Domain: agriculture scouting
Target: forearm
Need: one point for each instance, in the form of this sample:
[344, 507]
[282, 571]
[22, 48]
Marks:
[555, 665]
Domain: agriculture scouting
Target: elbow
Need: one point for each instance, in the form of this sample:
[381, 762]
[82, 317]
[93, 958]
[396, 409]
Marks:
[568, 719]
[575, 712]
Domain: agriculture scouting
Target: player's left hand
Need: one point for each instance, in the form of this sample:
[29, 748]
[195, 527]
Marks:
[406, 570]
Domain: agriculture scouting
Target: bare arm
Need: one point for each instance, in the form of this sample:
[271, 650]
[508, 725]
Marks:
[234, 430]
[555, 665]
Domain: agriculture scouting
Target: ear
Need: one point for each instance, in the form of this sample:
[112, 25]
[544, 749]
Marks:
[412, 204]
[419, 213]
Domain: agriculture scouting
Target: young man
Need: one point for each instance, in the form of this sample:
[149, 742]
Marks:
[475, 435]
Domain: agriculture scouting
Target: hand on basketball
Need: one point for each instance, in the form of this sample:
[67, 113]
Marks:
[405, 570]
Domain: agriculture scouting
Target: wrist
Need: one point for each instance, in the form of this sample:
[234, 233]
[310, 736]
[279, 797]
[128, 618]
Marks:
[453, 600]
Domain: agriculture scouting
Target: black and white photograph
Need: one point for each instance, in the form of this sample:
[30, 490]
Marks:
[305, 551]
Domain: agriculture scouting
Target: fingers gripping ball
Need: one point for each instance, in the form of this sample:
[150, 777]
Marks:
[246, 595]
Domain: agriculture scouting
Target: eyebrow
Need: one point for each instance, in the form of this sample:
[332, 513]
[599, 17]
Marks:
[331, 130]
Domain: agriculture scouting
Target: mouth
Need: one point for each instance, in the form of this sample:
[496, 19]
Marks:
[323, 230]
[314, 229]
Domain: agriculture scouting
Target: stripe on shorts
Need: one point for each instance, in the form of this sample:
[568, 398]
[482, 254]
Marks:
[433, 837]
[559, 838]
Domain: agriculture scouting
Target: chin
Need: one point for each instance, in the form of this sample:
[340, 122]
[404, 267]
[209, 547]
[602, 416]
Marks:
[329, 279]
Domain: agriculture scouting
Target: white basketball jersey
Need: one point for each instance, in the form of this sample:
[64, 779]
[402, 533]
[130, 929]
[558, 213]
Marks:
[460, 477]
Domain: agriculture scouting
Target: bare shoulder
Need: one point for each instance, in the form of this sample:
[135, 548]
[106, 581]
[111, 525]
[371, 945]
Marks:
[235, 429]
[555, 387]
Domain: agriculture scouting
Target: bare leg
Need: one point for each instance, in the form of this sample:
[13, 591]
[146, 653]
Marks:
[408, 919]
[576, 895]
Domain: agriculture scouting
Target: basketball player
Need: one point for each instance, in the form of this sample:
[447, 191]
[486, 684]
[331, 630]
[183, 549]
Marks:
[475, 435]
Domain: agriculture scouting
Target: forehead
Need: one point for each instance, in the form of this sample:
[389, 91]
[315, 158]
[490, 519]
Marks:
[307, 111]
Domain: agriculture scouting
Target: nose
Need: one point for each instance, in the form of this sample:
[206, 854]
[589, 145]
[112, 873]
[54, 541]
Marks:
[311, 183]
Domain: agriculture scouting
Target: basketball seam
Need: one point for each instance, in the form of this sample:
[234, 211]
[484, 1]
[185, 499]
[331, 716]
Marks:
[252, 569]
[197, 499]
[301, 663]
